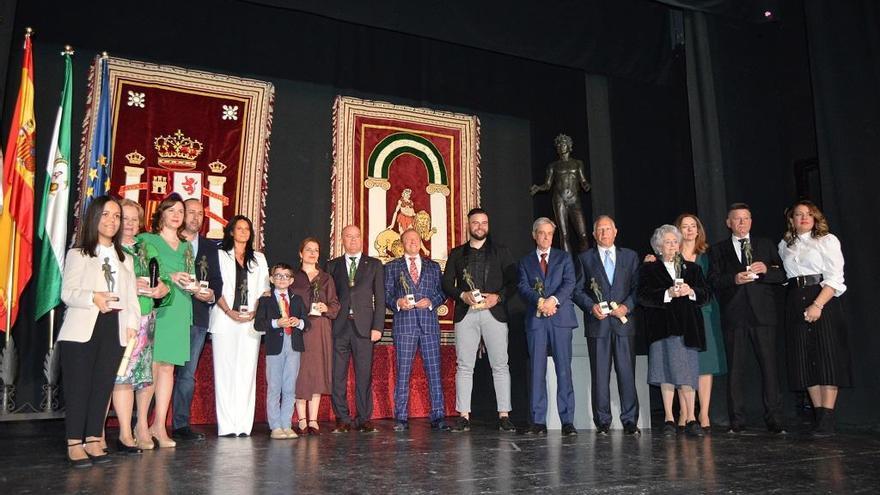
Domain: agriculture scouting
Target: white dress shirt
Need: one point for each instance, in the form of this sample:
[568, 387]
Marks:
[611, 250]
[811, 256]
[670, 268]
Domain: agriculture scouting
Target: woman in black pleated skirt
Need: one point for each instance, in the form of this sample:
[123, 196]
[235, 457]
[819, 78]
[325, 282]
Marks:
[816, 340]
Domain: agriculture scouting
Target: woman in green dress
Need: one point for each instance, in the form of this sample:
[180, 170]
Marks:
[174, 317]
[137, 378]
[712, 360]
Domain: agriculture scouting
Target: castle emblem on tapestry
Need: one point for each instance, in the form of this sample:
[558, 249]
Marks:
[199, 134]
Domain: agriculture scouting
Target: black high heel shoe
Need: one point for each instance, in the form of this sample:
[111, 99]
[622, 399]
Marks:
[127, 449]
[97, 459]
[78, 463]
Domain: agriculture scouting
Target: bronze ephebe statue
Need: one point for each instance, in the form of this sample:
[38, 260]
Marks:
[565, 178]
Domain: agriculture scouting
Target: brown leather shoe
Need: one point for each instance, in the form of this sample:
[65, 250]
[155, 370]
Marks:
[341, 427]
[367, 427]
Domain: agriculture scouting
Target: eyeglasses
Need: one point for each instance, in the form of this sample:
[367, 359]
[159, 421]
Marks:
[282, 276]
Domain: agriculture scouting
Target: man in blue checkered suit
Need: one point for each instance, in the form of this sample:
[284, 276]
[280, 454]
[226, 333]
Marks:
[415, 325]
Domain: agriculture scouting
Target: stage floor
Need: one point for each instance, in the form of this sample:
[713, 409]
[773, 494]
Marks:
[422, 461]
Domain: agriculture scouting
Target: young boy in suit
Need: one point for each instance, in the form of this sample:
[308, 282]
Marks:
[281, 317]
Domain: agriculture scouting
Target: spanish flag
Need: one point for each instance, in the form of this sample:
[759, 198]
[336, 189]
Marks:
[17, 220]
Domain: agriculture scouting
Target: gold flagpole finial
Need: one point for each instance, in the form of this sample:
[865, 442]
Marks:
[104, 54]
[28, 32]
[68, 50]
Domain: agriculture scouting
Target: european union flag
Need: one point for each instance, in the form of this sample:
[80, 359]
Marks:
[98, 180]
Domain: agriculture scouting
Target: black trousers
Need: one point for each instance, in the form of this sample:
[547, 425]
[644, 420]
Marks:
[763, 341]
[348, 344]
[89, 371]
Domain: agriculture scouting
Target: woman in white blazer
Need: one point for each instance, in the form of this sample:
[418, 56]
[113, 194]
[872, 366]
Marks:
[236, 346]
[99, 289]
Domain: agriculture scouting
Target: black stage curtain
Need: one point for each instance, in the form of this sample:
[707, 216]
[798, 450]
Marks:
[629, 38]
[844, 43]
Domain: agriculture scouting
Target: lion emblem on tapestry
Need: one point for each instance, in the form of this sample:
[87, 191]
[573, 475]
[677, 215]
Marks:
[398, 167]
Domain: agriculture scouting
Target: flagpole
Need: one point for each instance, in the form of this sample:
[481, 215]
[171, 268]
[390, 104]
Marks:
[10, 293]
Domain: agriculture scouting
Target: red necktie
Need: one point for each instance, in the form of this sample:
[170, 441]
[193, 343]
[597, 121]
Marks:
[413, 271]
[544, 263]
[287, 330]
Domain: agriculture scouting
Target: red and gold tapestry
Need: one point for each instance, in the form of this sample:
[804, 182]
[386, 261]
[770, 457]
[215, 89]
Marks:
[396, 167]
[200, 134]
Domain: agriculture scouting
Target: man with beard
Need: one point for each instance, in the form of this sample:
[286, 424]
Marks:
[479, 277]
[207, 268]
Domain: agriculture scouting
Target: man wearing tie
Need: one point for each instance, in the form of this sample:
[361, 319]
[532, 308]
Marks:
[743, 271]
[359, 283]
[546, 282]
[206, 264]
[413, 293]
[609, 274]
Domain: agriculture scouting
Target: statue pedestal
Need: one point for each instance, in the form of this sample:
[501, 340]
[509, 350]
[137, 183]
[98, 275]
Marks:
[580, 369]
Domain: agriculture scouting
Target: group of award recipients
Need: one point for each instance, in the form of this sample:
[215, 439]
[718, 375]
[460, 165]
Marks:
[140, 305]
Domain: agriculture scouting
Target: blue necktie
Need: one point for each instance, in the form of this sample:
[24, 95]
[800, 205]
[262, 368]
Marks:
[609, 267]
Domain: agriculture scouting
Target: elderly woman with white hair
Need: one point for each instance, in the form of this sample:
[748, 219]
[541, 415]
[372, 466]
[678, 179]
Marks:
[671, 290]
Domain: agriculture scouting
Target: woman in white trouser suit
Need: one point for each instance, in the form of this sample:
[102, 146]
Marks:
[236, 345]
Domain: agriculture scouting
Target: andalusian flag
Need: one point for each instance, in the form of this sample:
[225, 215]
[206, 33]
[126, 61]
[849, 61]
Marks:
[17, 220]
[52, 228]
[98, 179]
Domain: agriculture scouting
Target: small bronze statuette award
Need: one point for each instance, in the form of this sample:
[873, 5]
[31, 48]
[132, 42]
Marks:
[604, 307]
[113, 297]
[539, 288]
[244, 309]
[747, 254]
[203, 274]
[478, 296]
[189, 266]
[410, 298]
[316, 291]
[678, 265]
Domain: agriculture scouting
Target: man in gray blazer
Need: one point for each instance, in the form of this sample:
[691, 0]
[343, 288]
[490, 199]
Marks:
[360, 287]
[609, 274]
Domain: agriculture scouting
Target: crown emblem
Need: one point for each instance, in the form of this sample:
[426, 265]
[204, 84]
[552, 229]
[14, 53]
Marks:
[177, 152]
[217, 166]
[135, 158]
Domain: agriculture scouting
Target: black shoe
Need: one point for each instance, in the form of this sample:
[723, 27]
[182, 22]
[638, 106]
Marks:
[98, 459]
[669, 429]
[439, 425]
[341, 427]
[693, 429]
[462, 424]
[127, 449]
[631, 429]
[78, 463]
[736, 428]
[186, 433]
[243, 435]
[776, 429]
[505, 424]
[401, 425]
[603, 429]
[569, 430]
[229, 435]
[537, 429]
[367, 427]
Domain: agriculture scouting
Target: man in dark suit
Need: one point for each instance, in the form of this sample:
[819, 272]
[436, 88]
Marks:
[743, 272]
[546, 281]
[360, 287]
[413, 293]
[207, 268]
[489, 268]
[611, 273]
